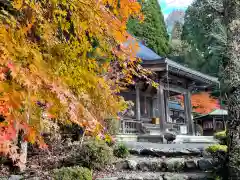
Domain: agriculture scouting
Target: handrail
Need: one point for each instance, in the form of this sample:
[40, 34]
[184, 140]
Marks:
[130, 126]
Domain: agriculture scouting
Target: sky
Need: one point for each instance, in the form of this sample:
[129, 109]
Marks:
[169, 5]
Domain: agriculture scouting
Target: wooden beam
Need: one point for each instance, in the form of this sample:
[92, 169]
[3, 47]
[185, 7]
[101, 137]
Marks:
[174, 88]
[178, 79]
[155, 69]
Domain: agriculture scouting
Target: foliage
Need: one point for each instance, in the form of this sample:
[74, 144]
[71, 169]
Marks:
[109, 140]
[72, 173]
[112, 125]
[205, 32]
[95, 154]
[216, 147]
[201, 20]
[221, 136]
[219, 155]
[153, 30]
[68, 55]
[121, 151]
[180, 50]
[202, 102]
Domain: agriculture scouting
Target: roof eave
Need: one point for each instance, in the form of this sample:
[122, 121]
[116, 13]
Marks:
[185, 71]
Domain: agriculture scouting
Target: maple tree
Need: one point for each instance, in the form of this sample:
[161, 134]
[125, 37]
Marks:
[202, 102]
[70, 54]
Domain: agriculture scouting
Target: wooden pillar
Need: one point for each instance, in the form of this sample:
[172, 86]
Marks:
[166, 105]
[138, 109]
[161, 107]
[214, 124]
[188, 112]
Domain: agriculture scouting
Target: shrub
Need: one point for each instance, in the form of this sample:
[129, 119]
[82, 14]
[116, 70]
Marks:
[219, 154]
[72, 173]
[109, 140]
[95, 154]
[221, 136]
[112, 126]
[216, 147]
[121, 151]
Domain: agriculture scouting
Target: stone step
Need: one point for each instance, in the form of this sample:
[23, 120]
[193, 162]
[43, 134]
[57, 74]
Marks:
[131, 175]
[151, 126]
[167, 150]
[156, 138]
[150, 164]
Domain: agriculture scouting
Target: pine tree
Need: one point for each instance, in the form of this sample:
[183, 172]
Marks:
[153, 30]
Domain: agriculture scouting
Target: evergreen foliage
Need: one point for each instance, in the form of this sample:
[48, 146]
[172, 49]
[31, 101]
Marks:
[201, 20]
[153, 30]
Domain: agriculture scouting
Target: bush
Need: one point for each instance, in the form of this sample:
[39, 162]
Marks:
[121, 151]
[222, 137]
[72, 173]
[112, 126]
[95, 154]
[219, 155]
[109, 140]
[216, 147]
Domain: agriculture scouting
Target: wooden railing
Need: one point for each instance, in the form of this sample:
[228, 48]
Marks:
[130, 127]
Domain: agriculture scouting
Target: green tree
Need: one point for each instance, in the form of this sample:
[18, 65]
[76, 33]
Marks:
[153, 30]
[201, 20]
[181, 51]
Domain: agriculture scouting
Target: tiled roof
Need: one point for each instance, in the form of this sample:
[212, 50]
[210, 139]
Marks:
[149, 56]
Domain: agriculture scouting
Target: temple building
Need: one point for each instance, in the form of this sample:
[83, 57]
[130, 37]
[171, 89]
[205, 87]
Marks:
[212, 122]
[155, 109]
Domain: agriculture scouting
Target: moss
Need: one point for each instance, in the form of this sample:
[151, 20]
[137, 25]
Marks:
[216, 147]
[72, 173]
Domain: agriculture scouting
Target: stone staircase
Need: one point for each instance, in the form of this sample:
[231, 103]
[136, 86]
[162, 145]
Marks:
[152, 128]
[161, 164]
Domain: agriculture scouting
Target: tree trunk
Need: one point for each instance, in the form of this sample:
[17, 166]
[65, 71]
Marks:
[232, 72]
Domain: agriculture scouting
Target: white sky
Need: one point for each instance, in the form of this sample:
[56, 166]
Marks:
[178, 3]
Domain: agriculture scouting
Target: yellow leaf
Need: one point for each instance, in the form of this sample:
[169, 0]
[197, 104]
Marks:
[17, 4]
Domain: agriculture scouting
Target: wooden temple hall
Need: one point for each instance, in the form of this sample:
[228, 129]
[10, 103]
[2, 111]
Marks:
[156, 110]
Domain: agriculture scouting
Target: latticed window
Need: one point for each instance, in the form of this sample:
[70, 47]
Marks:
[207, 125]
